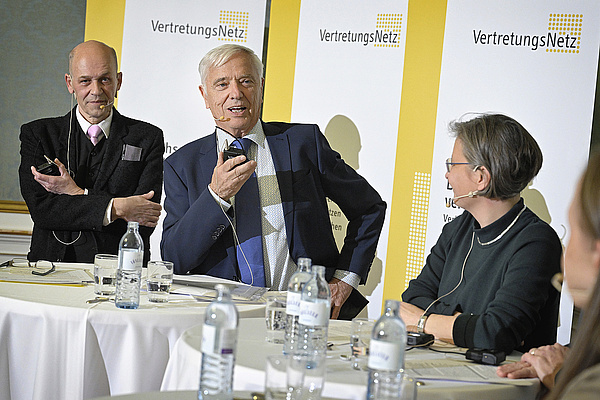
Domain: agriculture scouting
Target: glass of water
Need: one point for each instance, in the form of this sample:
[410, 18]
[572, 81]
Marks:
[306, 376]
[105, 274]
[276, 387]
[360, 338]
[160, 278]
[275, 317]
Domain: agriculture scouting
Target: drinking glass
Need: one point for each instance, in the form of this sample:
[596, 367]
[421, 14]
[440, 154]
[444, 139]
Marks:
[360, 338]
[275, 317]
[306, 376]
[160, 278]
[105, 274]
[276, 387]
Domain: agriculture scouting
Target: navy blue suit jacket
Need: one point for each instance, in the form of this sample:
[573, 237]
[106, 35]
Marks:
[198, 238]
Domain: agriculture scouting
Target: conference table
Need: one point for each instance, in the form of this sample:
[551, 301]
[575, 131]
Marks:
[439, 375]
[55, 345]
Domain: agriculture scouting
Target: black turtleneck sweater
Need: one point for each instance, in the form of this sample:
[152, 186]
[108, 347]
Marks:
[505, 299]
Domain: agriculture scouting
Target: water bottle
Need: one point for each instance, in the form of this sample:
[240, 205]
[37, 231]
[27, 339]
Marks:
[386, 354]
[219, 338]
[129, 272]
[315, 307]
[294, 296]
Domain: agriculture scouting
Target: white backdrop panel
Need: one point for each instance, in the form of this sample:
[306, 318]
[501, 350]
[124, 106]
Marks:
[551, 94]
[362, 83]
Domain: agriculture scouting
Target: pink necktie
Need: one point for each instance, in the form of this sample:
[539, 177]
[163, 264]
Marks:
[94, 132]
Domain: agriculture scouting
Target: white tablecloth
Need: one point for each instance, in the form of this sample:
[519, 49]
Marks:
[342, 382]
[55, 346]
[178, 395]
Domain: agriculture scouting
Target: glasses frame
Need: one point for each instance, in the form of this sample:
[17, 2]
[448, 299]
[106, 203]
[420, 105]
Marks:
[449, 164]
[26, 264]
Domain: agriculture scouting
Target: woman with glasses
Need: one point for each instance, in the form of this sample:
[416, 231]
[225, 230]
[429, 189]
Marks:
[486, 283]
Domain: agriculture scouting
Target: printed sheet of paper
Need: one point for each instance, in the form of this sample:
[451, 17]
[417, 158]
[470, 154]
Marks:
[238, 289]
[456, 369]
[62, 276]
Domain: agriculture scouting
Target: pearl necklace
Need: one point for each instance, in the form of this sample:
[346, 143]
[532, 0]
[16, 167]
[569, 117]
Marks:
[504, 231]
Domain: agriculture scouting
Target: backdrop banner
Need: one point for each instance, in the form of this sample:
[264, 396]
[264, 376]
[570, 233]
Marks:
[534, 61]
[348, 80]
[537, 62]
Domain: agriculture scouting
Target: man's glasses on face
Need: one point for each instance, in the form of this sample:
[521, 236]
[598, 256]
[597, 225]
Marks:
[40, 267]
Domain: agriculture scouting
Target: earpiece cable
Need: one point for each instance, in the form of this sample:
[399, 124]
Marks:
[69, 171]
[462, 274]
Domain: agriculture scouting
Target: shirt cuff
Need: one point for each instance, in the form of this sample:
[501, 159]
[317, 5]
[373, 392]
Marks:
[108, 213]
[348, 277]
[224, 205]
[463, 331]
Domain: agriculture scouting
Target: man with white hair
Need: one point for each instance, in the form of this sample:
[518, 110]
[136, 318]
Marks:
[210, 202]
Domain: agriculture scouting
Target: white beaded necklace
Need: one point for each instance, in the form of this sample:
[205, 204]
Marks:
[504, 231]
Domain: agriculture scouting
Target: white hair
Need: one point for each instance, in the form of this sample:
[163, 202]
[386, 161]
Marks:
[220, 55]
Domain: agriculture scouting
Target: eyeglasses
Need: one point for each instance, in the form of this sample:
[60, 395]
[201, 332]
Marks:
[449, 164]
[40, 267]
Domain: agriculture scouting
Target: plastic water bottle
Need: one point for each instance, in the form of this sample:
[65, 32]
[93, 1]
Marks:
[386, 354]
[314, 314]
[219, 339]
[129, 273]
[294, 296]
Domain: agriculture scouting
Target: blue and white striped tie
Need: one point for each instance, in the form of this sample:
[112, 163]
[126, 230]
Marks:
[248, 227]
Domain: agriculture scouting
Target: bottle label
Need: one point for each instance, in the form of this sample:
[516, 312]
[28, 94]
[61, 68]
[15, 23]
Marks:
[293, 303]
[214, 342]
[314, 314]
[385, 355]
[132, 260]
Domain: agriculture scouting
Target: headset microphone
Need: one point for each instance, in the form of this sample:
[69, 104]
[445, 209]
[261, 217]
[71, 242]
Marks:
[222, 118]
[470, 194]
[110, 103]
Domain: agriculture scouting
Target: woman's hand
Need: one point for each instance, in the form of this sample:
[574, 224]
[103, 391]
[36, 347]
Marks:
[410, 314]
[542, 362]
[438, 325]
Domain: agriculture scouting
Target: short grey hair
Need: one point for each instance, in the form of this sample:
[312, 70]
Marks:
[504, 147]
[220, 55]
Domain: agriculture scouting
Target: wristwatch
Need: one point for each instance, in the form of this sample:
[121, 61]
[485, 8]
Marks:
[421, 323]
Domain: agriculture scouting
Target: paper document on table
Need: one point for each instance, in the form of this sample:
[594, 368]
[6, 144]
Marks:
[237, 289]
[457, 370]
[62, 276]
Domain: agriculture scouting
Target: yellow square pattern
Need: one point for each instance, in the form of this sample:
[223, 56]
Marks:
[566, 24]
[235, 19]
[418, 225]
[390, 23]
